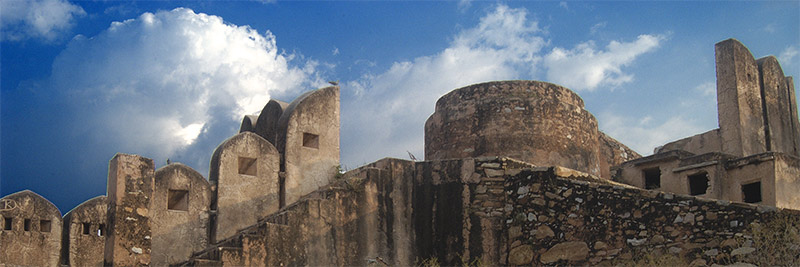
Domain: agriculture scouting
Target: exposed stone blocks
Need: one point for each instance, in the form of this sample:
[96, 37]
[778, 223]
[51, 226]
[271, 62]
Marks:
[179, 214]
[31, 230]
[130, 190]
[84, 233]
[245, 187]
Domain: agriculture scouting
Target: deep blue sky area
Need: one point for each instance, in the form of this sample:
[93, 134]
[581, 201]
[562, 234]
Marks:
[82, 80]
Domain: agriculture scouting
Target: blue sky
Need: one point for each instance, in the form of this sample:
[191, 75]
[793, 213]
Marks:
[83, 80]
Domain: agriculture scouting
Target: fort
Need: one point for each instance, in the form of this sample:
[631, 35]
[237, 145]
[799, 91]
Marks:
[515, 173]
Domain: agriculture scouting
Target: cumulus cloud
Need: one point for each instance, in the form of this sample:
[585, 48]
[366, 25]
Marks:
[787, 55]
[43, 19]
[586, 68]
[646, 133]
[387, 113]
[171, 82]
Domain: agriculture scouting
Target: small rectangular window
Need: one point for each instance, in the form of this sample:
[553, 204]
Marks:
[310, 140]
[86, 228]
[698, 184]
[44, 226]
[652, 178]
[101, 230]
[248, 166]
[27, 225]
[751, 193]
[178, 200]
[7, 222]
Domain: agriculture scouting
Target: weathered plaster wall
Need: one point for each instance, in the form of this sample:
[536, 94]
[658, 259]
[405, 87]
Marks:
[537, 122]
[27, 240]
[787, 181]
[780, 135]
[756, 168]
[130, 189]
[245, 186]
[707, 142]
[740, 113]
[84, 233]
[308, 139]
[178, 229]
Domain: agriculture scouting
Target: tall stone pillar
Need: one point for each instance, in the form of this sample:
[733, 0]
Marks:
[741, 115]
[130, 189]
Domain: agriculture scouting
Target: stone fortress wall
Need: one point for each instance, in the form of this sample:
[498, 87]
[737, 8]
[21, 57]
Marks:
[274, 196]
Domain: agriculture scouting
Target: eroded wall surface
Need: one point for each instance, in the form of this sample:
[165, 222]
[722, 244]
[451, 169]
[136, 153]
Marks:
[244, 173]
[130, 190]
[31, 230]
[84, 233]
[179, 214]
[308, 139]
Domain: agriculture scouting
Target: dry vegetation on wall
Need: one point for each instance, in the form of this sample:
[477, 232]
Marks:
[774, 243]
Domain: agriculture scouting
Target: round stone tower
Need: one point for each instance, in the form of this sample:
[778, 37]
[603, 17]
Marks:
[537, 122]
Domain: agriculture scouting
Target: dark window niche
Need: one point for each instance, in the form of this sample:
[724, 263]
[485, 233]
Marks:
[44, 226]
[101, 230]
[698, 184]
[7, 222]
[310, 140]
[652, 178]
[248, 166]
[751, 193]
[178, 200]
[86, 228]
[27, 225]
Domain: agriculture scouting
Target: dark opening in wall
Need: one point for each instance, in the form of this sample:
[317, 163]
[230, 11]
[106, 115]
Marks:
[44, 226]
[751, 193]
[698, 183]
[310, 140]
[86, 227]
[178, 200]
[248, 166]
[7, 223]
[101, 230]
[27, 225]
[652, 178]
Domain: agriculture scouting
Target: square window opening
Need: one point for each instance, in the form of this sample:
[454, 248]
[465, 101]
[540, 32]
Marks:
[248, 166]
[27, 225]
[44, 226]
[178, 200]
[310, 140]
[652, 178]
[101, 230]
[751, 193]
[86, 227]
[698, 184]
[7, 223]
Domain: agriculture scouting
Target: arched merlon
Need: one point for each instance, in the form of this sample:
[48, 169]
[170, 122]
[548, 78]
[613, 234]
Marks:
[84, 233]
[31, 230]
[248, 123]
[267, 125]
[308, 139]
[179, 212]
[244, 180]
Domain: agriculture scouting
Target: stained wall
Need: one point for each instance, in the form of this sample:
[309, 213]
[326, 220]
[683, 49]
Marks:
[84, 233]
[31, 230]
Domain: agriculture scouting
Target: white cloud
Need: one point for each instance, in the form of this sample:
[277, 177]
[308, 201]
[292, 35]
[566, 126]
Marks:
[387, 115]
[335, 51]
[464, 5]
[563, 4]
[586, 68]
[788, 55]
[43, 19]
[171, 81]
[595, 28]
[644, 134]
